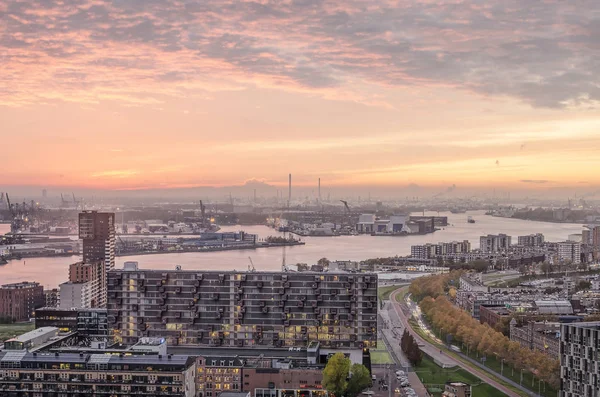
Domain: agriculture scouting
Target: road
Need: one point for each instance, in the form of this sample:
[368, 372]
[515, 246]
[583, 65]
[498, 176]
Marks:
[391, 330]
[435, 353]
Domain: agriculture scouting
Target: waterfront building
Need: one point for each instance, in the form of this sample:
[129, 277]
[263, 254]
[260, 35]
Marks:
[579, 370]
[97, 230]
[494, 243]
[23, 373]
[532, 240]
[569, 251]
[18, 301]
[276, 309]
[432, 251]
[86, 287]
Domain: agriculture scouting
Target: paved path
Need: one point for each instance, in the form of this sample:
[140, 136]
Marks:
[434, 352]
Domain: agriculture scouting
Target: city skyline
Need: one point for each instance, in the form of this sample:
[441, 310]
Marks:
[173, 94]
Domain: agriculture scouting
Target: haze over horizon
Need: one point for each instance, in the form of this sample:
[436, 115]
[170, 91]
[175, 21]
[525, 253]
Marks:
[121, 96]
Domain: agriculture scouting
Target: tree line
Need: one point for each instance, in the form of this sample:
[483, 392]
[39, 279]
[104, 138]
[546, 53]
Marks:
[410, 348]
[433, 292]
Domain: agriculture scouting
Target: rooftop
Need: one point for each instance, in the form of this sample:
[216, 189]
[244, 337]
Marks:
[22, 284]
[36, 333]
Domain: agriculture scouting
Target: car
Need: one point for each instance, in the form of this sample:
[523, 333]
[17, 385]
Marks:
[373, 378]
[405, 384]
[400, 373]
[397, 390]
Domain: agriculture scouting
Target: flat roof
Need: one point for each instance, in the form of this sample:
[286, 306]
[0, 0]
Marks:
[36, 333]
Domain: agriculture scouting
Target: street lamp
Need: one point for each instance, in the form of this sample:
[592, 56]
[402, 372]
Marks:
[521, 383]
[502, 368]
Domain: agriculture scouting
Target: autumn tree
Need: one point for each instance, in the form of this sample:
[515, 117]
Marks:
[335, 374]
[342, 379]
[360, 379]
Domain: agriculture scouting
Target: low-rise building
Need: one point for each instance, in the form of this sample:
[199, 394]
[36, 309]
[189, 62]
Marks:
[536, 335]
[492, 314]
[25, 373]
[18, 301]
[456, 389]
[90, 323]
[31, 339]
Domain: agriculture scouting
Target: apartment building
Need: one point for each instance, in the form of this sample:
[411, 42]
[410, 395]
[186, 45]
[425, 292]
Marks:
[86, 287]
[537, 335]
[97, 231]
[495, 243]
[430, 251]
[18, 301]
[41, 374]
[215, 375]
[579, 350]
[531, 240]
[569, 251]
[214, 308]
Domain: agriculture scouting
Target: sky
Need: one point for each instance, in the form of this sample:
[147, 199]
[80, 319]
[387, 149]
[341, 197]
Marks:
[157, 94]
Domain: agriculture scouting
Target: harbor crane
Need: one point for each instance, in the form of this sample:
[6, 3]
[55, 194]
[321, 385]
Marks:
[251, 267]
[346, 207]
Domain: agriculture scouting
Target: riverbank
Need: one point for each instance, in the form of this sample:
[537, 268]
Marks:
[212, 249]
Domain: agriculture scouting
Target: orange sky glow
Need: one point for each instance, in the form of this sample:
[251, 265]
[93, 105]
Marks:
[162, 94]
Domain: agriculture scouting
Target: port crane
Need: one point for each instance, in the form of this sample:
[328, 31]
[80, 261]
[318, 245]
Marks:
[251, 267]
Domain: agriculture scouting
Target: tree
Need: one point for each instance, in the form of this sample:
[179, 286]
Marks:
[359, 380]
[335, 374]
[323, 262]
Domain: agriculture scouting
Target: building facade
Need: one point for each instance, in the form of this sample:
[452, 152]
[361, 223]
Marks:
[89, 279]
[18, 301]
[97, 231]
[87, 322]
[215, 375]
[569, 251]
[537, 335]
[495, 243]
[579, 349]
[532, 240]
[213, 308]
[42, 374]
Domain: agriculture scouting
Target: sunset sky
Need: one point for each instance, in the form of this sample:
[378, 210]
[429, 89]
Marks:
[136, 94]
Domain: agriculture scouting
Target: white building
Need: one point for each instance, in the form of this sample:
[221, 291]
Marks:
[569, 251]
[76, 295]
[366, 223]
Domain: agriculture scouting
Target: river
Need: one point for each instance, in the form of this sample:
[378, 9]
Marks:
[52, 271]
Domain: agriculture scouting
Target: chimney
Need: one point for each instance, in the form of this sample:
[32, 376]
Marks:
[290, 190]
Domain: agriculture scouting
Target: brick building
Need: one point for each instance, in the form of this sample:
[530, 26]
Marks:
[18, 301]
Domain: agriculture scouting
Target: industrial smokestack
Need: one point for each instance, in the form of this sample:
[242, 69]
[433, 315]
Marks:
[319, 190]
[290, 190]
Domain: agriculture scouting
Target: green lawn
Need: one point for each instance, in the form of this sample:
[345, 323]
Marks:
[434, 377]
[378, 357]
[8, 331]
[384, 292]
[380, 354]
[493, 364]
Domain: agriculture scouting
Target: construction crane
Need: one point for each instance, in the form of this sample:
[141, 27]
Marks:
[251, 265]
[346, 208]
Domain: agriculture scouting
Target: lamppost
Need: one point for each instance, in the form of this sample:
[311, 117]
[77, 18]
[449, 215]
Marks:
[521, 383]
[502, 367]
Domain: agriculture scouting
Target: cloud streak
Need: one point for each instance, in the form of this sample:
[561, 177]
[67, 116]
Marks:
[143, 53]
